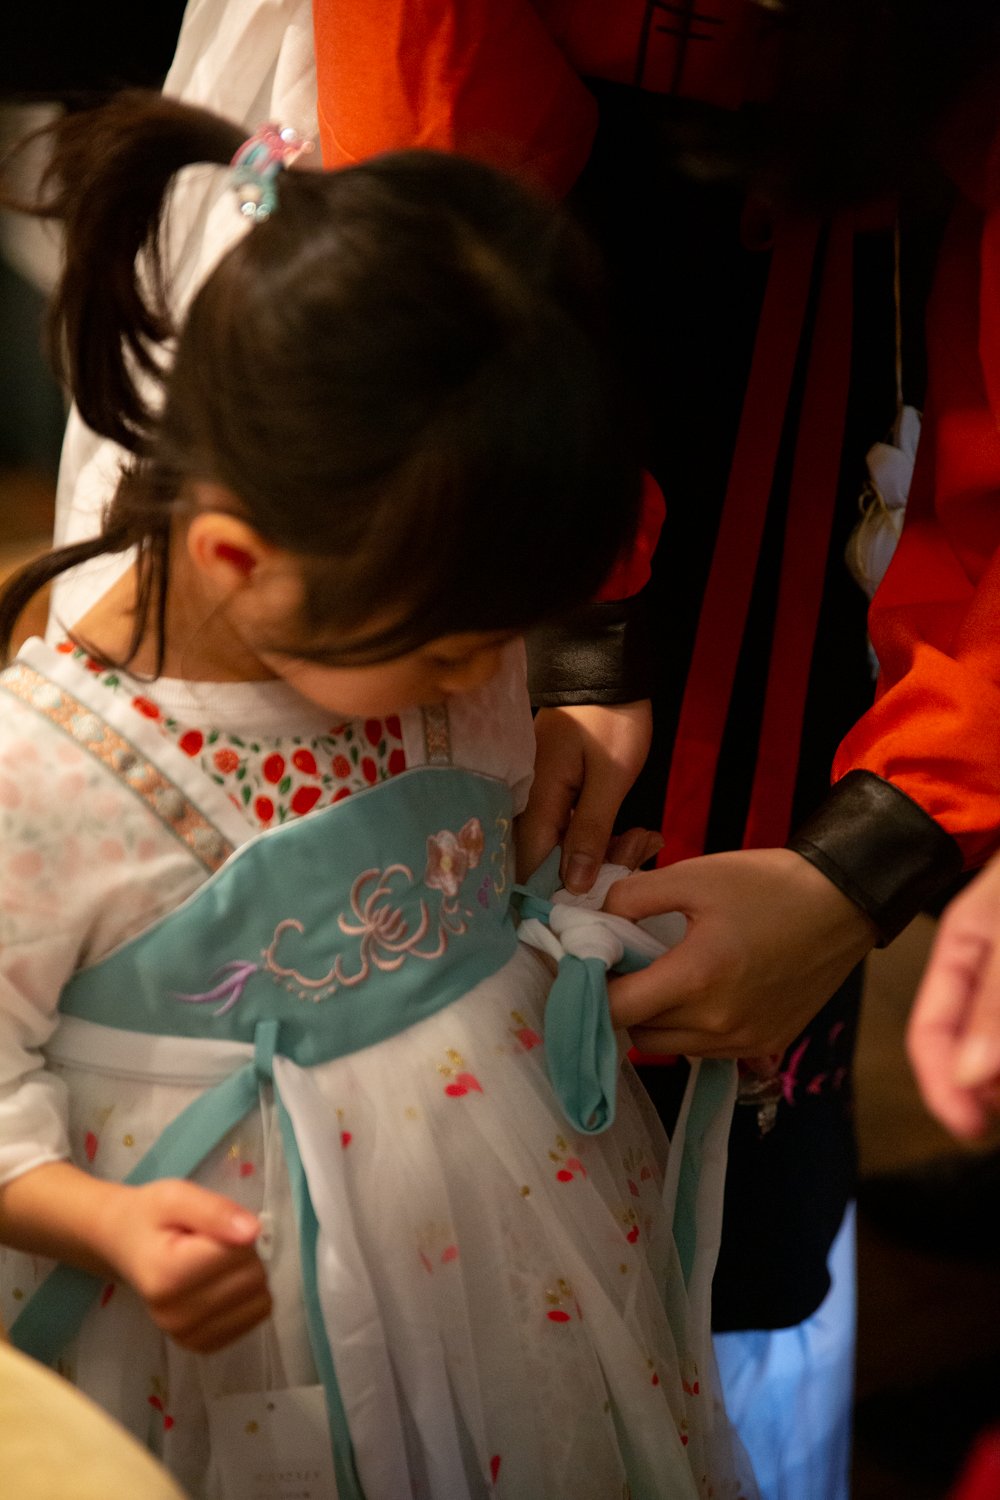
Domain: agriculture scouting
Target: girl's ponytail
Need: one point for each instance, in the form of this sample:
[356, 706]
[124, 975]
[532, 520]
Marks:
[107, 180]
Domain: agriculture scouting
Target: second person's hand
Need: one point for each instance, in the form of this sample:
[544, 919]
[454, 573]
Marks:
[769, 939]
[586, 760]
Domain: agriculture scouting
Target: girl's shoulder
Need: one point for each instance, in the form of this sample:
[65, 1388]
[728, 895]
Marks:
[35, 752]
[491, 729]
[84, 859]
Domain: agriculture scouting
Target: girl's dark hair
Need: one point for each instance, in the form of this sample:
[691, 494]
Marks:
[401, 376]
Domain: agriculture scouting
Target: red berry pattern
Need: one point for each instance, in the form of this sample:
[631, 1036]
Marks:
[274, 780]
[191, 742]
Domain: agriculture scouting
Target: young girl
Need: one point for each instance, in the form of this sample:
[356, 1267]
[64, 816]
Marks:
[386, 445]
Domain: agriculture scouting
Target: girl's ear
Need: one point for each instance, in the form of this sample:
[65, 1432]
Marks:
[226, 550]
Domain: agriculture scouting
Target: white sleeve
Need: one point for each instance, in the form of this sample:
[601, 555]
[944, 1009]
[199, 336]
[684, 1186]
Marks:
[41, 933]
[32, 1100]
[83, 865]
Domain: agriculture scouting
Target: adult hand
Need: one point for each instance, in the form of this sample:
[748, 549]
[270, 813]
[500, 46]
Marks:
[587, 758]
[189, 1253]
[769, 939]
[953, 1038]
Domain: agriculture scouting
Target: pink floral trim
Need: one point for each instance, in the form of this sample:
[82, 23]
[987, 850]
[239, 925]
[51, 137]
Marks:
[451, 856]
[121, 757]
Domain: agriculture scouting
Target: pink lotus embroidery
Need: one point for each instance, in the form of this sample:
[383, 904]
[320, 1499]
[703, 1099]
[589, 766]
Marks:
[447, 864]
[451, 856]
[473, 841]
[387, 936]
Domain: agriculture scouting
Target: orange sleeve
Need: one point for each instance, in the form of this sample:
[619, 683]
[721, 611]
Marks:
[481, 77]
[934, 731]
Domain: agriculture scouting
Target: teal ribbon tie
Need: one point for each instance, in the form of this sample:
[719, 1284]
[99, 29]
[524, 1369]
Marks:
[580, 1044]
[581, 1049]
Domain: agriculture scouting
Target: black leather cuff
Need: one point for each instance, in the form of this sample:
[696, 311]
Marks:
[598, 654]
[880, 848]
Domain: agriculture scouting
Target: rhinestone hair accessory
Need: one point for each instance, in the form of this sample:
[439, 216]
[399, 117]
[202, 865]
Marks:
[256, 165]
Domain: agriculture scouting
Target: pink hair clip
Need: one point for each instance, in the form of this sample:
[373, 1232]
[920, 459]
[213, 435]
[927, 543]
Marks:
[256, 165]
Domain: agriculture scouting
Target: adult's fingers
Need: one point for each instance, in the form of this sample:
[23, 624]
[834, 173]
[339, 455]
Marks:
[650, 892]
[544, 822]
[953, 1030]
[768, 940]
[977, 1058]
[634, 847]
[589, 833]
[679, 1028]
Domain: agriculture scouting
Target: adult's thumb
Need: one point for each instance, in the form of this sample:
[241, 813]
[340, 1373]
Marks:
[588, 836]
[647, 893]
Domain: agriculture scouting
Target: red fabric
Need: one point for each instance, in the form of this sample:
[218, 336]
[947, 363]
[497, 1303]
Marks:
[811, 505]
[727, 596]
[484, 77]
[631, 572]
[500, 79]
[935, 622]
[980, 1479]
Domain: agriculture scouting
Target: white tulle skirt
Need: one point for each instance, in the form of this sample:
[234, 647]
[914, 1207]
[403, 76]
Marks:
[503, 1298]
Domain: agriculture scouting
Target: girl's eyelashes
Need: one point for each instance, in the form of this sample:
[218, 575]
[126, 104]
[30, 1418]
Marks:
[450, 663]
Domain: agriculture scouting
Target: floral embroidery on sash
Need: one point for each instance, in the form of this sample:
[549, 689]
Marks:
[386, 936]
[164, 800]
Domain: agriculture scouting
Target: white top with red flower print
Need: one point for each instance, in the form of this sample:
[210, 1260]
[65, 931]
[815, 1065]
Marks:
[84, 865]
[270, 777]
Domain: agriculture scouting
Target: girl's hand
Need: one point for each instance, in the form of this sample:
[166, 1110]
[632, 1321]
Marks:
[189, 1253]
[586, 760]
[769, 939]
[953, 1038]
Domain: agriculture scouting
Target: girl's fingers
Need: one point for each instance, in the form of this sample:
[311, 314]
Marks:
[188, 1308]
[215, 1331]
[197, 1210]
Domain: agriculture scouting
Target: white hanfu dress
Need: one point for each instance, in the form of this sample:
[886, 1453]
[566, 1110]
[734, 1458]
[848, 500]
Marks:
[496, 1282]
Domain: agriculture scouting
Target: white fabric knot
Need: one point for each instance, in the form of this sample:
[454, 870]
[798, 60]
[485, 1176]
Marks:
[575, 926]
[587, 934]
[651, 936]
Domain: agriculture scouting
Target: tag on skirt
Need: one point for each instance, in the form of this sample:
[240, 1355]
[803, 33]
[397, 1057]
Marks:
[273, 1445]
